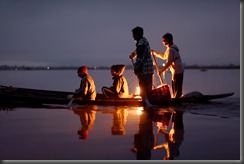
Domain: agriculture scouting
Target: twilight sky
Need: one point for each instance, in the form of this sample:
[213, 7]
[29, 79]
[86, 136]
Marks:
[98, 32]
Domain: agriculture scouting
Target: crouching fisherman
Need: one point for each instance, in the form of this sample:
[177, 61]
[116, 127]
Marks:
[119, 89]
[87, 90]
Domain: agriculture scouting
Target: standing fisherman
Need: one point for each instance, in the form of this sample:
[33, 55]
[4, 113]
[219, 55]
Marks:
[143, 67]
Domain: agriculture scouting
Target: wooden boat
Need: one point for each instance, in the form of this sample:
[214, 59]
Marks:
[15, 95]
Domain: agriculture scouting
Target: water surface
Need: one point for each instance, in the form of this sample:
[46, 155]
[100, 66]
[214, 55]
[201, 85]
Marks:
[211, 130]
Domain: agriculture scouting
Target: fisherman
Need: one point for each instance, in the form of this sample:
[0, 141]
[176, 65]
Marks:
[173, 62]
[87, 90]
[144, 63]
[120, 88]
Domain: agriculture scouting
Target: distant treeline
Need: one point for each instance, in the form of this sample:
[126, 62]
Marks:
[201, 67]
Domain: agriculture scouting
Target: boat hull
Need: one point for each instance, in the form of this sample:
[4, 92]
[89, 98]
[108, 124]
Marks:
[13, 95]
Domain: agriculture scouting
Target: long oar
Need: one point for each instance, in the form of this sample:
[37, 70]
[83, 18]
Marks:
[71, 100]
[156, 64]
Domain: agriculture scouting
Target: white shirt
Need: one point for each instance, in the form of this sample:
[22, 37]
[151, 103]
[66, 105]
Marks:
[172, 57]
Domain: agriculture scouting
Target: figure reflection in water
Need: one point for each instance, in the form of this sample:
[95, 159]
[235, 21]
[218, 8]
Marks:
[120, 115]
[87, 116]
[144, 139]
[174, 138]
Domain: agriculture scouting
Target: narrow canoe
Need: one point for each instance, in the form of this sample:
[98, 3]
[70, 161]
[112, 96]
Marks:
[17, 95]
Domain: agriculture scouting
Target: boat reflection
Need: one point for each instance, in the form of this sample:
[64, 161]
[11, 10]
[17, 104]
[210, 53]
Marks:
[173, 138]
[120, 114]
[158, 128]
[87, 116]
[169, 123]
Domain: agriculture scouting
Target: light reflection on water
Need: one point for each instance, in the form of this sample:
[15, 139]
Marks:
[54, 133]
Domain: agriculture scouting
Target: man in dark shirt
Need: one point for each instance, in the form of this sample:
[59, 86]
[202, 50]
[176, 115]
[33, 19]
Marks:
[145, 64]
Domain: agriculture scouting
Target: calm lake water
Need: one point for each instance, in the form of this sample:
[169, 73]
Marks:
[211, 130]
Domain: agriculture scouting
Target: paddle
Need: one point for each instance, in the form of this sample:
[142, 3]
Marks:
[71, 97]
[156, 64]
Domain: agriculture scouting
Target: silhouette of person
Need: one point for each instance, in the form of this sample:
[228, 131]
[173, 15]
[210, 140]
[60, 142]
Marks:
[120, 115]
[87, 89]
[87, 116]
[173, 62]
[174, 138]
[145, 62]
[120, 88]
[144, 139]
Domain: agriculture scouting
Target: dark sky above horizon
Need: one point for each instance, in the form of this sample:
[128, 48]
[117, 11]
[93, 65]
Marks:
[98, 32]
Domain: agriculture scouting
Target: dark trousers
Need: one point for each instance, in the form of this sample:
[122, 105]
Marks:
[108, 92]
[177, 119]
[145, 83]
[177, 85]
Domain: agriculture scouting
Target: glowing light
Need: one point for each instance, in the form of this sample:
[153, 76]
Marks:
[164, 72]
[139, 110]
[137, 92]
[159, 124]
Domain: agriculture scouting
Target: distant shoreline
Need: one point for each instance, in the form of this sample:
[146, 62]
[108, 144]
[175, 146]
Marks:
[202, 68]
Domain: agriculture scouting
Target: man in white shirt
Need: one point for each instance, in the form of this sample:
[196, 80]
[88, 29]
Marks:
[173, 62]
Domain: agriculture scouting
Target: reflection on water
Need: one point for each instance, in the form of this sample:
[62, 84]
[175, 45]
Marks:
[87, 116]
[174, 137]
[120, 115]
[144, 139]
[210, 132]
[145, 134]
